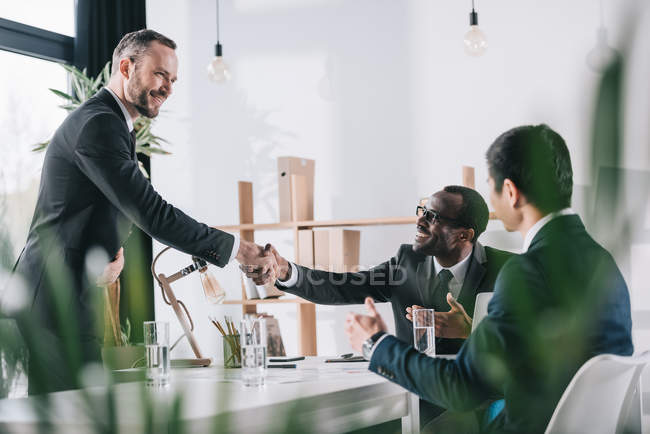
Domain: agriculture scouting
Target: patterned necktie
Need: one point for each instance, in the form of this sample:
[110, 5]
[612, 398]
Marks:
[440, 290]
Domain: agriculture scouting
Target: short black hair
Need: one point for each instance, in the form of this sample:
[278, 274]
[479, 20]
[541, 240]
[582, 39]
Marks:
[135, 44]
[474, 212]
[536, 159]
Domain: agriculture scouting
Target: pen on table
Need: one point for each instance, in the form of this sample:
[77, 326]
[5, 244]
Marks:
[285, 365]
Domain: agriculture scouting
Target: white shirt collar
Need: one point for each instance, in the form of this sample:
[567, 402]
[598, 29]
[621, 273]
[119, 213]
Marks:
[530, 235]
[458, 270]
[127, 116]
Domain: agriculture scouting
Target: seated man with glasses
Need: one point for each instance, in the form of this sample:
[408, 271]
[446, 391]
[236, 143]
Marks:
[445, 257]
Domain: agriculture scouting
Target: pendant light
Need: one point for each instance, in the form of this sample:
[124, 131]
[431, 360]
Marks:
[475, 40]
[602, 54]
[217, 69]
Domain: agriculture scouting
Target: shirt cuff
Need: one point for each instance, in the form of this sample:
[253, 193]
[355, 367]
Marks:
[293, 279]
[235, 248]
[374, 347]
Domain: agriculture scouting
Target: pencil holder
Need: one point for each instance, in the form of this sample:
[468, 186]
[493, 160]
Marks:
[231, 351]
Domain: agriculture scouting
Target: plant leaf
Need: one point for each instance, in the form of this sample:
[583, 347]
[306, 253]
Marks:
[61, 94]
[143, 170]
[40, 147]
[159, 151]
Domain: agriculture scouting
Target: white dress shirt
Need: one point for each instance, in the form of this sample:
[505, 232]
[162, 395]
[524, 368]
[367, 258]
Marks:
[534, 229]
[127, 116]
[458, 270]
[129, 125]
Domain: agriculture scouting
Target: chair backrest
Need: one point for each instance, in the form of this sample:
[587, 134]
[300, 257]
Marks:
[599, 397]
[480, 307]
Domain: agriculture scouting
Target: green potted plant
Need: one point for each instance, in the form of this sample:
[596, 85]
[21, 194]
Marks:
[122, 354]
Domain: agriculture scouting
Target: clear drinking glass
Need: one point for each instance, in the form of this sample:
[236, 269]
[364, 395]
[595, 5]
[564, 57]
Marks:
[424, 331]
[156, 342]
[253, 350]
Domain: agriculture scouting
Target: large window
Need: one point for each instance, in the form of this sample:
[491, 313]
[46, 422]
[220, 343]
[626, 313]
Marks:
[29, 114]
[30, 31]
[53, 15]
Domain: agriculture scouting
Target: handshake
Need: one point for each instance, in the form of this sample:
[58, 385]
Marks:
[262, 264]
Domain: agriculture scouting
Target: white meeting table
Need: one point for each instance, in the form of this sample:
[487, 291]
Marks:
[329, 397]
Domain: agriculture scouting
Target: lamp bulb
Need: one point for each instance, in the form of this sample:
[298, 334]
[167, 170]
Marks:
[218, 71]
[602, 54]
[214, 293]
[475, 41]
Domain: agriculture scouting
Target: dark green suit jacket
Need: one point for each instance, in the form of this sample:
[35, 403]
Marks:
[554, 307]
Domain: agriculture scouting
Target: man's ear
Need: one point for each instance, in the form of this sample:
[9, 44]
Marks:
[467, 234]
[512, 193]
[125, 67]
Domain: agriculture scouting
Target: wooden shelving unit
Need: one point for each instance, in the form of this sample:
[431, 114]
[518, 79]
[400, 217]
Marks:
[306, 309]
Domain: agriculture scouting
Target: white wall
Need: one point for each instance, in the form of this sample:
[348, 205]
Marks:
[380, 94]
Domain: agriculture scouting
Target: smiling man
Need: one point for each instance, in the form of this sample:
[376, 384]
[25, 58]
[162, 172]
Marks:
[91, 192]
[443, 269]
[444, 265]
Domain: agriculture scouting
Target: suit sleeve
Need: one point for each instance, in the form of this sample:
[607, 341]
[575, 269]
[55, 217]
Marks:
[323, 287]
[103, 154]
[484, 364]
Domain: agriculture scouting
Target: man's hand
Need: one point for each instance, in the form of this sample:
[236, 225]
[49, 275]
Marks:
[284, 269]
[257, 263]
[409, 311]
[112, 270]
[455, 323]
[360, 328]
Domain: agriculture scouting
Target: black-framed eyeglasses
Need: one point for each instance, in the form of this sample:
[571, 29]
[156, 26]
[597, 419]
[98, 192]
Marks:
[432, 216]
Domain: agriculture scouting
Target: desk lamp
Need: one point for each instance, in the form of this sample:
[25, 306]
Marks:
[213, 293]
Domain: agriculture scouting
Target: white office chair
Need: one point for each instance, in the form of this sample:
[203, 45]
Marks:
[602, 397]
[480, 308]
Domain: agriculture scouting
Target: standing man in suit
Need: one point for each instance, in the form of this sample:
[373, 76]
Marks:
[554, 307]
[91, 191]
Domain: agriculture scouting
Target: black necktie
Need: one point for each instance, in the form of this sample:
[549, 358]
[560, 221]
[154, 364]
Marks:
[133, 143]
[440, 290]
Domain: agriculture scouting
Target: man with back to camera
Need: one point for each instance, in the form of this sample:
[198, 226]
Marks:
[554, 307]
[444, 268]
[91, 191]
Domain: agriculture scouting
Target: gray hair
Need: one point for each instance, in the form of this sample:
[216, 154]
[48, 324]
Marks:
[133, 45]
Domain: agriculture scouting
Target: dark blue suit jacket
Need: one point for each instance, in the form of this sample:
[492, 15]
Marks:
[554, 307]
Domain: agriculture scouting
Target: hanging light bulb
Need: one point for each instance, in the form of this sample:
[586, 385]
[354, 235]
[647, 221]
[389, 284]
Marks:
[475, 40]
[218, 71]
[602, 54]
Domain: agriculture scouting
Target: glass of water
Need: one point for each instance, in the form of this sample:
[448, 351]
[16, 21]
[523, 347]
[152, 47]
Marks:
[156, 342]
[253, 350]
[424, 331]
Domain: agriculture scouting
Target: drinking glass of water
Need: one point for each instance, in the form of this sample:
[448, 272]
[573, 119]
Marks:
[253, 350]
[156, 342]
[424, 331]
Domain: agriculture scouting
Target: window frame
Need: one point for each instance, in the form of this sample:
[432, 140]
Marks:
[35, 42]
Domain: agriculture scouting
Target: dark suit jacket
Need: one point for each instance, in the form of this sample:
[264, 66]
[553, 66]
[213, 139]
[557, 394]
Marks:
[403, 281]
[91, 190]
[554, 307]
